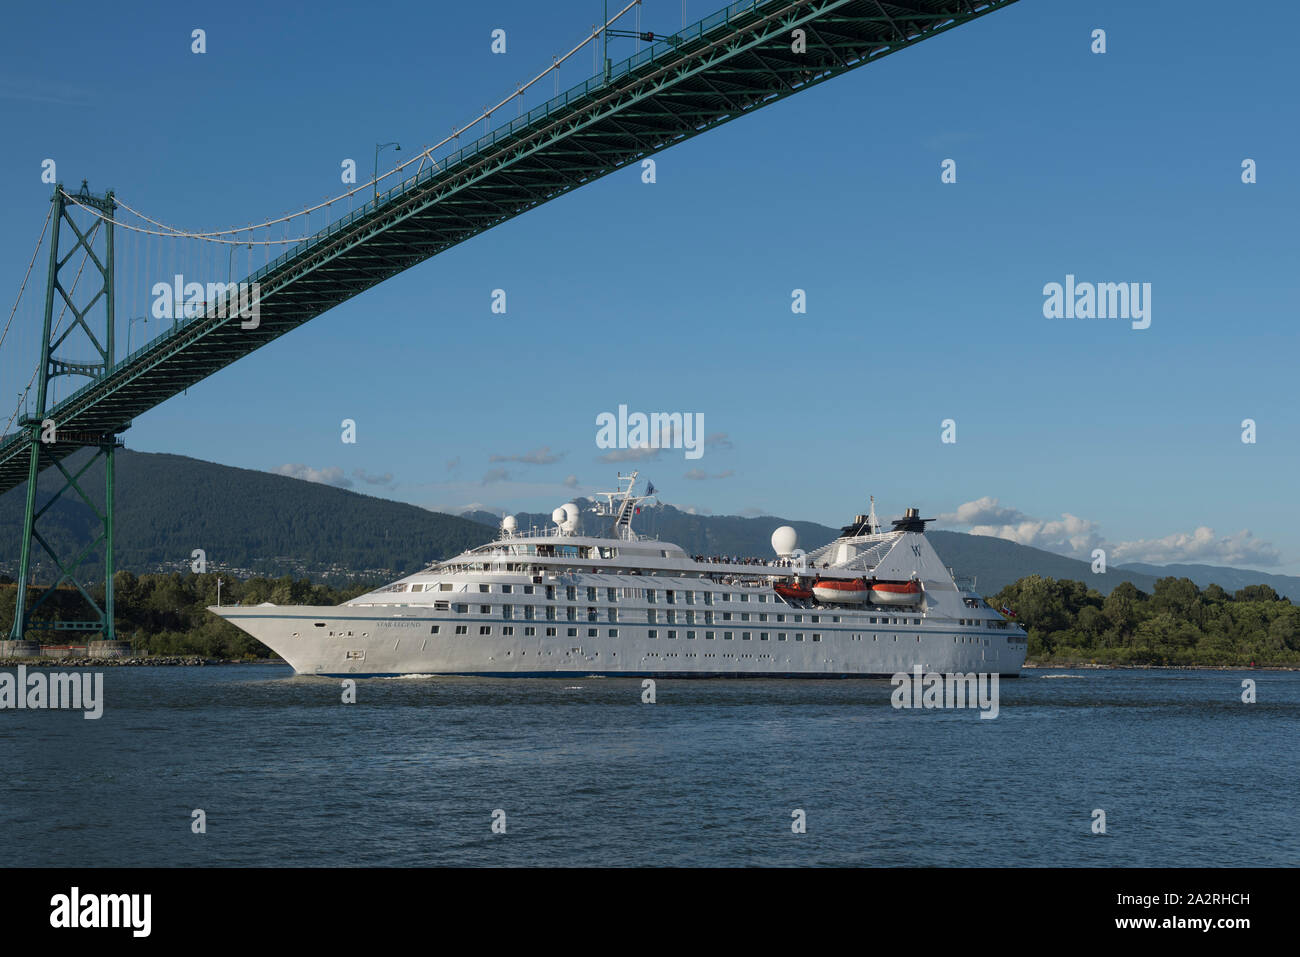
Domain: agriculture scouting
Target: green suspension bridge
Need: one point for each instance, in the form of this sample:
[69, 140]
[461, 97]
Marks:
[676, 86]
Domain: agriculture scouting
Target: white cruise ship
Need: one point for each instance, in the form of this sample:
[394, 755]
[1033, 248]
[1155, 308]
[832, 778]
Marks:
[554, 602]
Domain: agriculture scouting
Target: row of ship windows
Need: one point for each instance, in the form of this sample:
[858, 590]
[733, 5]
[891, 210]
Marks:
[508, 631]
[671, 596]
[611, 614]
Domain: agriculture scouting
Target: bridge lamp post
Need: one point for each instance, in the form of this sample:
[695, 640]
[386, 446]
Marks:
[378, 147]
[129, 326]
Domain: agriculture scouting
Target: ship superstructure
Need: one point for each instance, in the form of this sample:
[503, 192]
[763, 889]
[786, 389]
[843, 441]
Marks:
[556, 601]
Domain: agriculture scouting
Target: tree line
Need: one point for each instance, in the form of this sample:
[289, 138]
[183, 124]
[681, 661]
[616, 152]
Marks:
[1177, 624]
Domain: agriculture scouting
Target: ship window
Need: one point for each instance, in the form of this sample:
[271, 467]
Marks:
[572, 632]
[663, 554]
[485, 588]
[611, 594]
[529, 631]
[726, 616]
[441, 606]
[433, 629]
[816, 637]
[708, 636]
[528, 589]
[507, 611]
[550, 632]
[672, 633]
[780, 636]
[445, 586]
[320, 624]
[762, 636]
[506, 589]
[835, 618]
[485, 609]
[744, 636]
[461, 608]
[507, 630]
[726, 636]
[654, 632]
[611, 614]
[613, 632]
[690, 635]
[462, 629]
[708, 598]
[591, 632]
[571, 592]
[650, 596]
[591, 594]
[780, 617]
[744, 597]
[744, 616]
[798, 636]
[763, 617]
[669, 596]
[798, 617]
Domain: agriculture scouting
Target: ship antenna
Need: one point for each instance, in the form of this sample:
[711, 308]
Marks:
[871, 518]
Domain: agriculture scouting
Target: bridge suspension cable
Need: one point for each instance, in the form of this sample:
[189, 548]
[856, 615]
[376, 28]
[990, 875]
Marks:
[422, 157]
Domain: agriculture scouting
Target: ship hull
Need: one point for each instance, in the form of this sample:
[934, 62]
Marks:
[357, 642]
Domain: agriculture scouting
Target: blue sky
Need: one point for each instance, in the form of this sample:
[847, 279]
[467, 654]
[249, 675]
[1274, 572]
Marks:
[925, 299]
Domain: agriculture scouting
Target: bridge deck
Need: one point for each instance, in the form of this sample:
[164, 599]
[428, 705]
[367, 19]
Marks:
[731, 63]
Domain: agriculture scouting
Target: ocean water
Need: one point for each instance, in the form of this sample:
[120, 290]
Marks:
[709, 775]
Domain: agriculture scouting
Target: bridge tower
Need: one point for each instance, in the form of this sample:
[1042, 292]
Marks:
[90, 328]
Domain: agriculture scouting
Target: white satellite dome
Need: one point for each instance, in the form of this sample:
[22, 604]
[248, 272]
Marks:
[571, 515]
[784, 541]
[508, 524]
[558, 516]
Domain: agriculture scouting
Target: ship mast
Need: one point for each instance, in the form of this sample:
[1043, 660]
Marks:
[621, 506]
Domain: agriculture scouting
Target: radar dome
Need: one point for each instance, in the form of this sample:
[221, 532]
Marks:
[571, 514]
[558, 516]
[509, 524]
[784, 540]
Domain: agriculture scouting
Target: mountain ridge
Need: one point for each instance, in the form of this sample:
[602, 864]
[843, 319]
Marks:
[252, 522]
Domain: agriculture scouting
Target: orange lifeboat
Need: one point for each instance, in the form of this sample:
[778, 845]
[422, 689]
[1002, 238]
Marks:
[896, 593]
[792, 591]
[830, 590]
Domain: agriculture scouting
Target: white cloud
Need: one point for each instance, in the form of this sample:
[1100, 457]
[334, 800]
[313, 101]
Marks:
[542, 456]
[1201, 546]
[331, 475]
[385, 479]
[571, 481]
[1077, 537]
[631, 455]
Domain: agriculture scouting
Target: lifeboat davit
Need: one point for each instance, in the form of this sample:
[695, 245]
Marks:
[896, 593]
[792, 591]
[841, 591]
